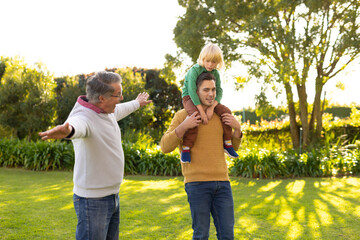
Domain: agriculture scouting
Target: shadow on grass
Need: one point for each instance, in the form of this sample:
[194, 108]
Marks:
[307, 208]
[154, 208]
[38, 205]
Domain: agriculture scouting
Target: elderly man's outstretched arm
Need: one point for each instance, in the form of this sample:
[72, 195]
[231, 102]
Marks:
[58, 132]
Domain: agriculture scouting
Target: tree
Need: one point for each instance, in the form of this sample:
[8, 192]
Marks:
[283, 42]
[27, 102]
[67, 90]
[133, 83]
[166, 98]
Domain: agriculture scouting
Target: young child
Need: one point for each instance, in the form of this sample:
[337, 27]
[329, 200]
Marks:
[210, 59]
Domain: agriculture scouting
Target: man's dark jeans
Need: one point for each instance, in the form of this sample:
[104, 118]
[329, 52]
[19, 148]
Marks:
[215, 198]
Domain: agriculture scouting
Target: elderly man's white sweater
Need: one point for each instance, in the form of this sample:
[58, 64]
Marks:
[99, 156]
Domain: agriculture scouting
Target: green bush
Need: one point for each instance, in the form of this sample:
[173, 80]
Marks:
[59, 155]
[319, 162]
[150, 161]
[263, 164]
[142, 156]
[38, 155]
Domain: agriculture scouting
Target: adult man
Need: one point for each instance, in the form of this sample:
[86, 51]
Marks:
[206, 177]
[99, 158]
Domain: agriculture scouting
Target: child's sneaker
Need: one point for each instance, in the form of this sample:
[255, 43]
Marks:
[185, 155]
[230, 151]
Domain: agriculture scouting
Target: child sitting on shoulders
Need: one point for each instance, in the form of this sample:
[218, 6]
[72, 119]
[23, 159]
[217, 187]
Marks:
[210, 59]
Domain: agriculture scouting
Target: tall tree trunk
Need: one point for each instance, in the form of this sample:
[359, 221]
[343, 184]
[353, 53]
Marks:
[303, 113]
[294, 130]
[317, 102]
[316, 115]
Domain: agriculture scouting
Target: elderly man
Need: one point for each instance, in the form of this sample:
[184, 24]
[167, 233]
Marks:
[99, 158]
[206, 177]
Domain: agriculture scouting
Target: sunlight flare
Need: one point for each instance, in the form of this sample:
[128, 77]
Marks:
[248, 224]
[295, 231]
[314, 226]
[68, 206]
[296, 188]
[323, 213]
[270, 186]
[286, 215]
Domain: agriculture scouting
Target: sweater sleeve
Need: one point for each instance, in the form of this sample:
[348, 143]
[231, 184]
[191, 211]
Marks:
[190, 85]
[170, 140]
[122, 110]
[80, 126]
[219, 90]
[236, 142]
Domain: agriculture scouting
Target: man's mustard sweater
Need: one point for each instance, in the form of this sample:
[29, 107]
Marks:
[207, 156]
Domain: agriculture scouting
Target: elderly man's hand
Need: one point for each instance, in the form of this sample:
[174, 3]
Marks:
[58, 132]
[142, 99]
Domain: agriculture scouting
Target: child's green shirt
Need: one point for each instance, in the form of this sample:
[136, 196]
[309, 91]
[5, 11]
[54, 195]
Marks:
[189, 87]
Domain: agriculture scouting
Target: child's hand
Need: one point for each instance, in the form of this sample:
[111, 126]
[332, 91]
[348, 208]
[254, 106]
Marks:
[204, 118]
[209, 113]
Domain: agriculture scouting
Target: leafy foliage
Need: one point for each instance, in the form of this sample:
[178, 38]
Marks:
[259, 165]
[40, 155]
[133, 84]
[140, 158]
[282, 43]
[335, 156]
[316, 163]
[67, 90]
[166, 98]
[27, 102]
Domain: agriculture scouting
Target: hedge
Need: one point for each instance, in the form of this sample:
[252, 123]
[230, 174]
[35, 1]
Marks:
[319, 162]
[59, 155]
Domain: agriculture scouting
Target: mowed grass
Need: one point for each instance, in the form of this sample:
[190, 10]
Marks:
[38, 205]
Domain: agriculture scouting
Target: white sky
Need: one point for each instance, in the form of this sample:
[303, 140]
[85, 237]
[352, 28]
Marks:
[82, 36]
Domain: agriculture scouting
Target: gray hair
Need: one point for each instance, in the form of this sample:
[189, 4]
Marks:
[99, 85]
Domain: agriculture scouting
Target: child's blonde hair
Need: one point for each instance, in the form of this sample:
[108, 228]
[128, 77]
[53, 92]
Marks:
[211, 52]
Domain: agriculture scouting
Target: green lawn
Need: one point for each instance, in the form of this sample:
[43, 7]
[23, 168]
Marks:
[38, 205]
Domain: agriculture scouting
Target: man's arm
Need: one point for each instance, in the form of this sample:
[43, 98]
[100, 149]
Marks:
[123, 110]
[58, 132]
[176, 131]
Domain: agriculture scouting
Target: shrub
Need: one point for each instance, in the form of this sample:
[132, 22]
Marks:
[59, 155]
[266, 164]
[38, 155]
[319, 162]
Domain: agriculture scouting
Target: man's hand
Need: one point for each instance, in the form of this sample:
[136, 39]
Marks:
[142, 99]
[190, 122]
[58, 132]
[231, 121]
